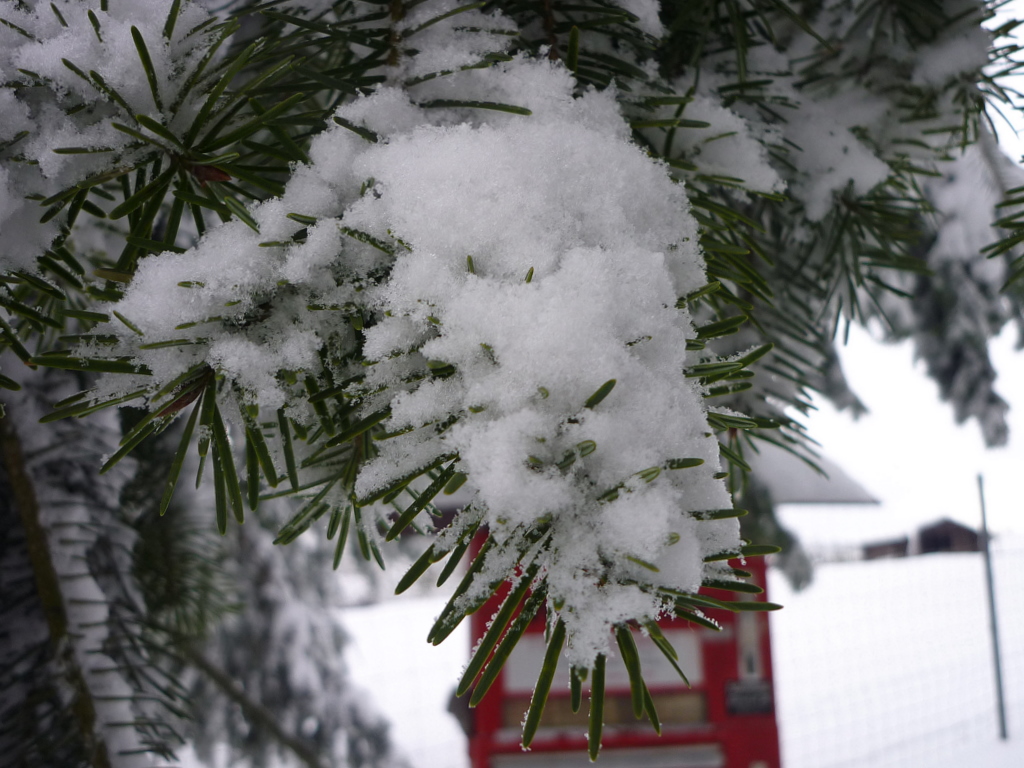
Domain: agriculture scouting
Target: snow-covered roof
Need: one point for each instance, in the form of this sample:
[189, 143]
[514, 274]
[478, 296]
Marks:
[791, 481]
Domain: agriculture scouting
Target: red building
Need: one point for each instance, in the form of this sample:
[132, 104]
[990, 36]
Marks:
[726, 719]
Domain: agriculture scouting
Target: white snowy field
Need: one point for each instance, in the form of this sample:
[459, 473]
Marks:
[888, 664]
[883, 664]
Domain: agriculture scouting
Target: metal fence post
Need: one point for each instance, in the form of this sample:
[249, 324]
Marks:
[993, 622]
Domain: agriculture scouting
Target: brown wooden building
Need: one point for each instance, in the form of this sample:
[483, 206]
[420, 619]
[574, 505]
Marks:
[882, 549]
[948, 536]
[942, 536]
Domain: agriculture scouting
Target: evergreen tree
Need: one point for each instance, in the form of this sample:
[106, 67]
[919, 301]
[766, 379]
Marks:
[338, 258]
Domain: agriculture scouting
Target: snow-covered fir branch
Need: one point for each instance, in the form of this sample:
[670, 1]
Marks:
[494, 278]
[88, 91]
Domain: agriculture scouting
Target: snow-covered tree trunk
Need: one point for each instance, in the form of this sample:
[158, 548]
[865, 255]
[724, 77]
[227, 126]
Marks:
[119, 642]
[69, 642]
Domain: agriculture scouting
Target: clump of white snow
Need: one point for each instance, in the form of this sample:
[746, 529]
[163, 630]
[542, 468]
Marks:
[728, 146]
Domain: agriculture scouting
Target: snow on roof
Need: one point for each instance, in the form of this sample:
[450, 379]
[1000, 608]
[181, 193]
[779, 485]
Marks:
[791, 481]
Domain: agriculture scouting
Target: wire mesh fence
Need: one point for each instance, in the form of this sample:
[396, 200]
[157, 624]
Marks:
[889, 663]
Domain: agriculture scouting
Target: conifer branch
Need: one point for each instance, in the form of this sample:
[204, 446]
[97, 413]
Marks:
[257, 714]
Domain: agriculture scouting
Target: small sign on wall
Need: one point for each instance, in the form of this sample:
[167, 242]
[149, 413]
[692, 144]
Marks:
[749, 697]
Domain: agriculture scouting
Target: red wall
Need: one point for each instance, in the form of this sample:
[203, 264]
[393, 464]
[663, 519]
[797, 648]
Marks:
[744, 740]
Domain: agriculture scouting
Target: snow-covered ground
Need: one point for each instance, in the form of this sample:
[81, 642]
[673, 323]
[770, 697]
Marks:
[888, 664]
[883, 664]
[410, 680]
